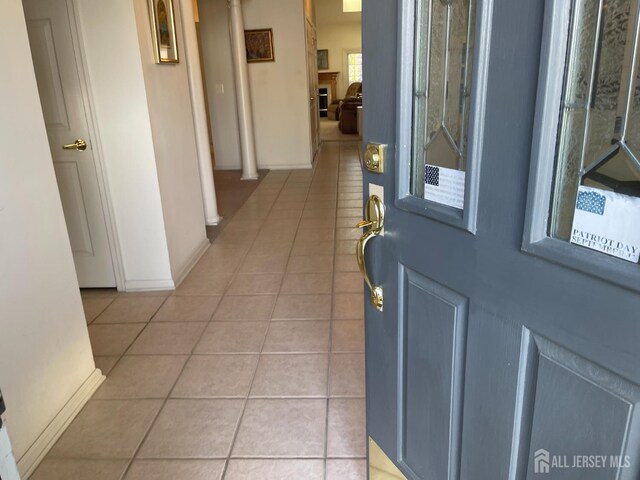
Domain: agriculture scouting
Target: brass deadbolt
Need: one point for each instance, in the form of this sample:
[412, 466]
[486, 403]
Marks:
[374, 157]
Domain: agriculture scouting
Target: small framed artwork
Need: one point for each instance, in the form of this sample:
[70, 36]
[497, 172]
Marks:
[163, 31]
[323, 59]
[259, 45]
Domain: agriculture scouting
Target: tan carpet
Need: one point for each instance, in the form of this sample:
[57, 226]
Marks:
[329, 132]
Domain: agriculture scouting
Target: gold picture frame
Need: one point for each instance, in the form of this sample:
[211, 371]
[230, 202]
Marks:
[163, 31]
[323, 59]
[259, 45]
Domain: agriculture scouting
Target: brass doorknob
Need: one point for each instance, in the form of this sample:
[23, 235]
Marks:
[374, 221]
[79, 144]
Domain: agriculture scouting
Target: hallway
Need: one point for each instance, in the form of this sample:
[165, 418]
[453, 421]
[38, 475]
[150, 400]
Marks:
[254, 367]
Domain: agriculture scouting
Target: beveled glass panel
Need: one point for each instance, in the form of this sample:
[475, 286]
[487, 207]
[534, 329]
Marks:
[437, 59]
[584, 27]
[608, 96]
[456, 69]
[599, 128]
[442, 85]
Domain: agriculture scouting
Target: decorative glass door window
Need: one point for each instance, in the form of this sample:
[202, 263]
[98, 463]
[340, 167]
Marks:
[442, 99]
[596, 195]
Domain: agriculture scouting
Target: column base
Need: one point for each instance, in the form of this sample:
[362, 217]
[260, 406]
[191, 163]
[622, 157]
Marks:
[213, 221]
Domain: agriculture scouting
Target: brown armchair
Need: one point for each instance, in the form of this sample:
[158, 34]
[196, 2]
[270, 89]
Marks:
[354, 90]
[348, 109]
[349, 114]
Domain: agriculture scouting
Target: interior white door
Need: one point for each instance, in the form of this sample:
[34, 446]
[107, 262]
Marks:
[61, 89]
[312, 66]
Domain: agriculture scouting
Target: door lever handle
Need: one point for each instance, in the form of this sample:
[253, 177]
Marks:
[79, 145]
[374, 221]
[364, 223]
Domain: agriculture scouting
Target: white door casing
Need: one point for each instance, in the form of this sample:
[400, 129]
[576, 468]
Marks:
[60, 86]
[312, 71]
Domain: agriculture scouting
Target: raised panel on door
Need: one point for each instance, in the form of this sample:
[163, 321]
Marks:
[75, 216]
[432, 354]
[48, 76]
[575, 419]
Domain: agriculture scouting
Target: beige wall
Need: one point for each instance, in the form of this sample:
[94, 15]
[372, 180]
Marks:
[279, 90]
[174, 142]
[336, 38]
[218, 70]
[45, 355]
[122, 117]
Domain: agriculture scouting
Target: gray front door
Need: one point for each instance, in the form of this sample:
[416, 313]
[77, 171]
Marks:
[508, 345]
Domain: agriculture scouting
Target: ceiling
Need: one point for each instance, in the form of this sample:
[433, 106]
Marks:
[330, 12]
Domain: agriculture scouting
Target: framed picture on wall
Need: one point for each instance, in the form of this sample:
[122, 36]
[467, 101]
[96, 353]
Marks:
[163, 31]
[323, 59]
[259, 45]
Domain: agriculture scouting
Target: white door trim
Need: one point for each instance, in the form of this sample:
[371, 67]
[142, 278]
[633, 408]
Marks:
[92, 122]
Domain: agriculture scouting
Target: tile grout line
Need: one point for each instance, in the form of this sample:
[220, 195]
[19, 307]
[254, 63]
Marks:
[333, 277]
[146, 433]
[120, 356]
[244, 457]
[164, 403]
[255, 370]
[189, 356]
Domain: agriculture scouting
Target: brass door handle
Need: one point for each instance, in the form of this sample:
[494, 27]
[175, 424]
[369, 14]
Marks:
[374, 221]
[79, 144]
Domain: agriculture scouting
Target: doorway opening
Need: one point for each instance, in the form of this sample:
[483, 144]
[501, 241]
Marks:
[339, 71]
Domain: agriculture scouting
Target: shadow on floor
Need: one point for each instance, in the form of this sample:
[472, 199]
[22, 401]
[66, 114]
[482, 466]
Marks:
[231, 192]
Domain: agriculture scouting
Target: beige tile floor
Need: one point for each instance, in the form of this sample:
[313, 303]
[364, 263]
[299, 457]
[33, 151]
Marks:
[254, 367]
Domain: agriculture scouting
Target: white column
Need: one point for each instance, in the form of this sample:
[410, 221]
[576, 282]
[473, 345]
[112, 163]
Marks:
[8, 467]
[199, 113]
[243, 93]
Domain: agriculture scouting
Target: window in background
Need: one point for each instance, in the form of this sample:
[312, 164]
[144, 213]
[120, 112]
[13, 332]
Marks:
[354, 63]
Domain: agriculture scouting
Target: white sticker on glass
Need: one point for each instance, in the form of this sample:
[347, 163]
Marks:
[444, 185]
[607, 222]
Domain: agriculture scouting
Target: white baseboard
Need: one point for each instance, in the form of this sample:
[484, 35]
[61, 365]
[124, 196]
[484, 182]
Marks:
[197, 254]
[304, 166]
[296, 166]
[148, 285]
[227, 167]
[36, 452]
